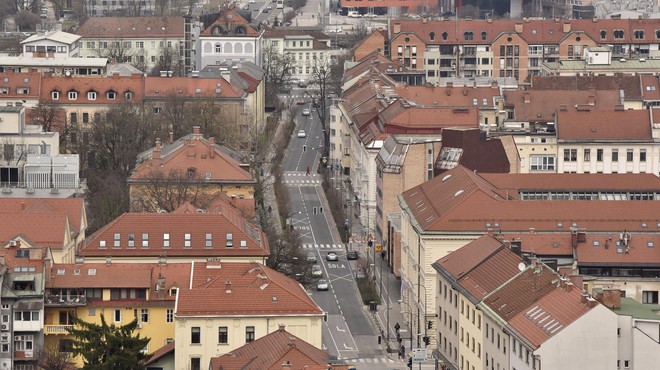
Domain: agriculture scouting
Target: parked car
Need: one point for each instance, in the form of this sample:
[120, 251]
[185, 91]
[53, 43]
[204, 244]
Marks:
[352, 255]
[300, 101]
[317, 270]
[302, 133]
[311, 257]
[302, 83]
[306, 112]
[331, 256]
[322, 285]
[370, 15]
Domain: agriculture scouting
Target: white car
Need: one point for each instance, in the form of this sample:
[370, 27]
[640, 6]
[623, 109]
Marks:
[370, 15]
[317, 270]
[322, 285]
[336, 30]
[302, 134]
[306, 112]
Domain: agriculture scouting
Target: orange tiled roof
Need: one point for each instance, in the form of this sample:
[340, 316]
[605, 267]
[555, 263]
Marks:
[631, 85]
[103, 86]
[204, 88]
[193, 152]
[14, 81]
[462, 200]
[229, 19]
[605, 249]
[270, 292]
[434, 118]
[132, 27]
[543, 244]
[576, 124]
[556, 310]
[572, 181]
[177, 225]
[542, 105]
[270, 352]
[650, 88]
[449, 96]
[74, 208]
[463, 260]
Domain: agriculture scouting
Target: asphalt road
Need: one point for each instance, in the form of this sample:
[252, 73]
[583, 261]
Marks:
[348, 334]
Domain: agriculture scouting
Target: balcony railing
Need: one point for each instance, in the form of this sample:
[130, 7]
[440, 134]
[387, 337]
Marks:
[57, 329]
[54, 300]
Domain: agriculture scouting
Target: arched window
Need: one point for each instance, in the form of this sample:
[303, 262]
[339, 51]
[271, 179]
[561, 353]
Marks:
[228, 48]
[248, 48]
[445, 36]
[432, 36]
[238, 48]
[484, 35]
[218, 48]
[207, 47]
[603, 34]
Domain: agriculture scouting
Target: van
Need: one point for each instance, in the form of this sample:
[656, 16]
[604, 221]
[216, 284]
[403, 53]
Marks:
[353, 14]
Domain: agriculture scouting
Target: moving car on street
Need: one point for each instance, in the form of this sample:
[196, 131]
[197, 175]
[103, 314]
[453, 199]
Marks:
[331, 256]
[311, 257]
[352, 255]
[317, 271]
[322, 285]
[302, 133]
[306, 112]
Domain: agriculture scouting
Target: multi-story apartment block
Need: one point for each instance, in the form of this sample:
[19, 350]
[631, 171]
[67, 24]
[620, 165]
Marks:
[120, 292]
[211, 320]
[228, 40]
[146, 42]
[514, 48]
[21, 305]
[307, 50]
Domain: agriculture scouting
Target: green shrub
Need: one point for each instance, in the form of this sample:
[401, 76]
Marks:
[368, 291]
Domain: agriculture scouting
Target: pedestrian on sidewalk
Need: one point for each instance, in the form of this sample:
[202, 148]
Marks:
[307, 170]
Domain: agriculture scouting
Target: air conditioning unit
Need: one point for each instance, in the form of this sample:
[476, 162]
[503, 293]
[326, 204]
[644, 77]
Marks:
[12, 243]
[5, 327]
[139, 325]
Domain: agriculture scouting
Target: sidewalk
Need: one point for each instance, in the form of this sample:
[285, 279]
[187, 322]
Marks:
[273, 212]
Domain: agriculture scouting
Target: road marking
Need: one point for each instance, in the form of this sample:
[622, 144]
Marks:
[348, 348]
[340, 330]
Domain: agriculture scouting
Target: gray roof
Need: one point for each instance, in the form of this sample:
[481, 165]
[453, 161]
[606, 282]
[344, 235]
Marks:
[59, 36]
[648, 65]
[52, 62]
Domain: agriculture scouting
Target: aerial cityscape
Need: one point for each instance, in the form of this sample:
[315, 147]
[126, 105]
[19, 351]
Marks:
[330, 184]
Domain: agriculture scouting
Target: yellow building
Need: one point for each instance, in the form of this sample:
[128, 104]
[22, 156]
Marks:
[191, 164]
[119, 292]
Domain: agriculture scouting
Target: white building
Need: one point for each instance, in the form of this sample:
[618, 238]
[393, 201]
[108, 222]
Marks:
[307, 50]
[54, 44]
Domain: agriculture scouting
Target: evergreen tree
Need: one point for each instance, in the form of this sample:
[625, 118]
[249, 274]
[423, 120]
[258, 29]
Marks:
[105, 347]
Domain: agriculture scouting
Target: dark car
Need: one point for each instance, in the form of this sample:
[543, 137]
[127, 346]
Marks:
[352, 255]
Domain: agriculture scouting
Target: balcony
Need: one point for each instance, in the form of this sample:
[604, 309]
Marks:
[57, 329]
[60, 301]
[24, 355]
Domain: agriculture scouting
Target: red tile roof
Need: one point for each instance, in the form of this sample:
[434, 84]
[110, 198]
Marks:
[74, 208]
[228, 21]
[571, 181]
[270, 352]
[542, 105]
[542, 244]
[420, 120]
[13, 81]
[132, 27]
[607, 250]
[526, 288]
[270, 292]
[456, 96]
[463, 260]
[614, 125]
[650, 88]
[194, 152]
[100, 84]
[631, 85]
[177, 225]
[461, 200]
[203, 88]
[549, 315]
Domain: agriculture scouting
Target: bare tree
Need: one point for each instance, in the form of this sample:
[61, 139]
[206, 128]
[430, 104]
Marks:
[322, 76]
[167, 191]
[277, 69]
[49, 115]
[360, 31]
[50, 358]
[169, 60]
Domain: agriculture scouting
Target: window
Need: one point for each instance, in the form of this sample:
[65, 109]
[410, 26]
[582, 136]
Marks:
[186, 240]
[131, 240]
[117, 316]
[222, 335]
[615, 155]
[484, 35]
[195, 335]
[249, 334]
[144, 315]
[468, 36]
[91, 95]
[145, 240]
[570, 155]
[195, 363]
[112, 95]
[23, 342]
[650, 296]
[128, 95]
[619, 34]
[55, 95]
[626, 364]
[166, 240]
[642, 155]
[603, 34]
[587, 155]
[629, 155]
[599, 155]
[169, 315]
[209, 240]
[638, 34]
[73, 95]
[117, 240]
[230, 240]
[85, 117]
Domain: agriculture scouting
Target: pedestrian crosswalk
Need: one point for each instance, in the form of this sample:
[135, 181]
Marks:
[374, 360]
[302, 182]
[301, 179]
[324, 246]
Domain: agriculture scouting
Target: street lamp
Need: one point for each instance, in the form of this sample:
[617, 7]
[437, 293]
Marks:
[410, 325]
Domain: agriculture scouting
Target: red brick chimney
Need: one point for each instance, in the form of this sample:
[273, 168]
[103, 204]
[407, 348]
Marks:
[171, 137]
[156, 152]
[611, 298]
[212, 140]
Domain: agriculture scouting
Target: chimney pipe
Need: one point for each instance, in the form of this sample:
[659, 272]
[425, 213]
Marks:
[156, 152]
[171, 137]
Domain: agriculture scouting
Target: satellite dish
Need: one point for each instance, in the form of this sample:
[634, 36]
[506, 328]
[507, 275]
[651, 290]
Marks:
[521, 266]
[67, 73]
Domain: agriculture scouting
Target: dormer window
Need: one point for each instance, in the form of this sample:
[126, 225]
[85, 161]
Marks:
[468, 36]
[209, 240]
[145, 240]
[619, 34]
[638, 34]
[166, 240]
[55, 95]
[230, 240]
[111, 95]
[445, 35]
[174, 291]
[432, 36]
[91, 95]
[131, 240]
[117, 240]
[128, 95]
[186, 241]
[603, 34]
[191, 173]
[484, 35]
[73, 95]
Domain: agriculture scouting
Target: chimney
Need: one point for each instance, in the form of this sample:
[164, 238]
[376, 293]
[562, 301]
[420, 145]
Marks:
[286, 365]
[212, 140]
[591, 303]
[425, 20]
[619, 108]
[115, 76]
[171, 137]
[569, 287]
[23, 206]
[228, 286]
[156, 152]
[518, 27]
[281, 327]
[527, 98]
[583, 297]
[611, 298]
[595, 19]
[196, 131]
[160, 286]
[396, 28]
[566, 27]
[493, 84]
[465, 91]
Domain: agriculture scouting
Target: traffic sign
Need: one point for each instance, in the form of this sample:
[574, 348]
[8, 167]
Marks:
[419, 355]
[379, 247]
